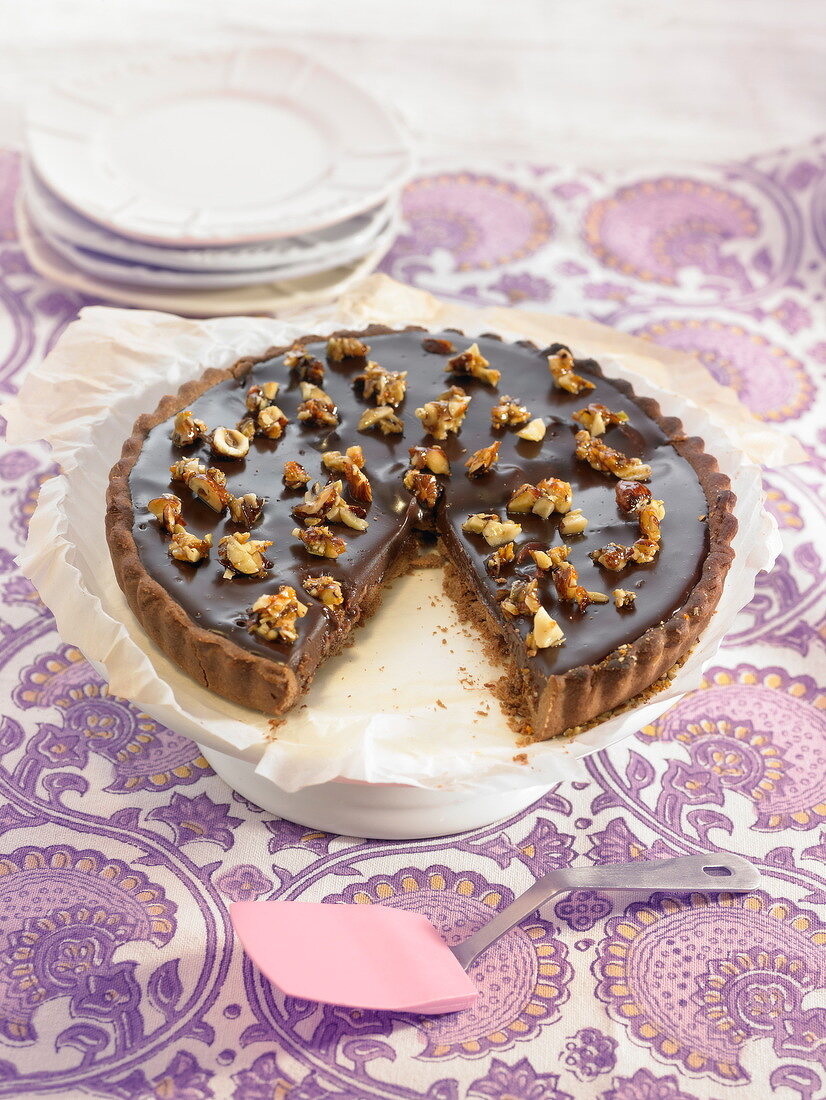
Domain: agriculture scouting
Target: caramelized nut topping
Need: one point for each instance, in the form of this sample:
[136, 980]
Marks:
[317, 407]
[384, 418]
[566, 582]
[596, 418]
[386, 387]
[523, 598]
[430, 458]
[424, 487]
[546, 633]
[624, 598]
[351, 469]
[269, 421]
[550, 558]
[651, 515]
[473, 363]
[508, 413]
[631, 495]
[534, 432]
[229, 443]
[273, 617]
[608, 461]
[645, 550]
[437, 347]
[483, 460]
[246, 509]
[186, 468]
[561, 367]
[184, 546]
[321, 541]
[260, 397]
[304, 366]
[326, 589]
[243, 555]
[211, 488]
[499, 558]
[346, 347]
[167, 511]
[493, 530]
[574, 523]
[613, 556]
[547, 496]
[327, 505]
[445, 415]
[186, 429]
[295, 476]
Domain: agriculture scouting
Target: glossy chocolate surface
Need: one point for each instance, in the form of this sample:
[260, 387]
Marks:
[222, 605]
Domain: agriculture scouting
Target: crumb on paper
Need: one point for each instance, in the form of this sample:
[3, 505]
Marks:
[521, 758]
[439, 703]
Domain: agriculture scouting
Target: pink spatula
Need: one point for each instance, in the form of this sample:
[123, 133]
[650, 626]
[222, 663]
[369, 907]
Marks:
[375, 956]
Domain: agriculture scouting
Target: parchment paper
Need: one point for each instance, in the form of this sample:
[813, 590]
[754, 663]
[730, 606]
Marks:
[408, 703]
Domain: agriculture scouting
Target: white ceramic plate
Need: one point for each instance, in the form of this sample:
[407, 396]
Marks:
[217, 147]
[260, 298]
[55, 219]
[116, 270]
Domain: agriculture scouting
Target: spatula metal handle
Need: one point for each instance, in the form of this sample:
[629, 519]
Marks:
[714, 871]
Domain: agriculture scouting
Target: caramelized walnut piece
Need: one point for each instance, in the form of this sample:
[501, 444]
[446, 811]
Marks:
[424, 487]
[346, 347]
[242, 555]
[574, 523]
[326, 505]
[534, 432]
[493, 530]
[385, 387]
[631, 495]
[229, 443]
[245, 509]
[437, 347]
[211, 488]
[186, 429]
[624, 598]
[273, 617]
[184, 546]
[347, 465]
[384, 418]
[326, 589]
[483, 460]
[441, 417]
[430, 458]
[474, 364]
[508, 413]
[547, 496]
[550, 558]
[304, 366]
[500, 558]
[261, 397]
[295, 476]
[321, 541]
[523, 598]
[596, 418]
[167, 511]
[608, 461]
[566, 582]
[317, 407]
[561, 366]
[546, 633]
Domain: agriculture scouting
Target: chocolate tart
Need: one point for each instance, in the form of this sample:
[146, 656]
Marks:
[201, 614]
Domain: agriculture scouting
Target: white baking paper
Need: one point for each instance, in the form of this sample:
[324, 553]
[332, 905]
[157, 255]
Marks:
[408, 703]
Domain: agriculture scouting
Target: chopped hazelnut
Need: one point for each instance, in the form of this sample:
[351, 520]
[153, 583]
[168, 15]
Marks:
[624, 598]
[651, 515]
[184, 546]
[474, 364]
[346, 347]
[327, 505]
[483, 460]
[270, 423]
[437, 347]
[273, 617]
[430, 458]
[186, 468]
[386, 387]
[644, 550]
[424, 487]
[499, 558]
[384, 418]
[533, 432]
[317, 407]
[304, 366]
[614, 556]
[243, 555]
[344, 464]
[523, 598]
[631, 495]
[261, 397]
[321, 541]
[211, 488]
[295, 476]
[493, 530]
[596, 418]
[508, 413]
[561, 367]
[326, 589]
[229, 443]
[608, 461]
[246, 509]
[550, 558]
[167, 511]
[547, 496]
[186, 429]
[574, 523]
[566, 582]
[546, 633]
[445, 415]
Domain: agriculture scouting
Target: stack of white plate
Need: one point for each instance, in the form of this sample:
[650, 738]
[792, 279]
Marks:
[251, 180]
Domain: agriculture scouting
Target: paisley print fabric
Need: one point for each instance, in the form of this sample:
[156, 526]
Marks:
[120, 851]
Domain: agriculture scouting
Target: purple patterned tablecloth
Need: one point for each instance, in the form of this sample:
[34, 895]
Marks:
[120, 850]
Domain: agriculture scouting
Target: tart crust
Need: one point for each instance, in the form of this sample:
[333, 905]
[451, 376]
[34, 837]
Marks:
[565, 702]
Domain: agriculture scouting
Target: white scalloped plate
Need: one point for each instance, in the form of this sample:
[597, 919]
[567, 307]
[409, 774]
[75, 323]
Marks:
[217, 147]
[259, 298]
